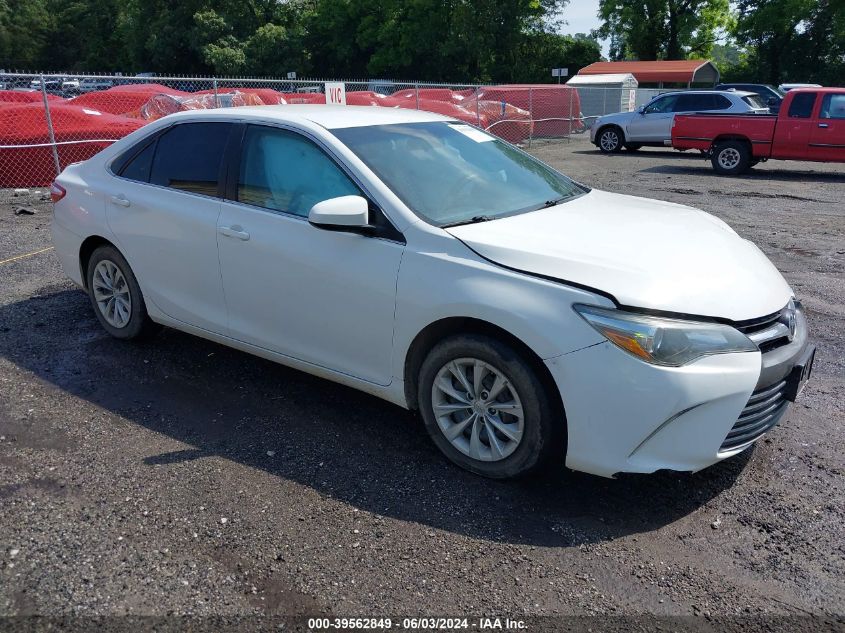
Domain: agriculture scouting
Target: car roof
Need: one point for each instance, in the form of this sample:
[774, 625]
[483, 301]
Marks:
[327, 116]
[741, 93]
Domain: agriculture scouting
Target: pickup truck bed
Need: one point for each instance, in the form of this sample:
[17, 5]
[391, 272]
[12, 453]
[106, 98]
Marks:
[810, 126]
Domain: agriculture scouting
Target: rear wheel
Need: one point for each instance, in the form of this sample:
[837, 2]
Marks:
[611, 139]
[485, 407]
[116, 295]
[731, 158]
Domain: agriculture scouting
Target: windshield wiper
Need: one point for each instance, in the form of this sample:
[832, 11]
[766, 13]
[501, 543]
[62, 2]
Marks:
[554, 203]
[473, 220]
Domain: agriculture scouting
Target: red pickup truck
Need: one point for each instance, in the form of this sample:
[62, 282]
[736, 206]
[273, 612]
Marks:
[809, 126]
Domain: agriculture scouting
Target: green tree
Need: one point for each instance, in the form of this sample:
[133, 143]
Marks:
[24, 33]
[792, 40]
[662, 29]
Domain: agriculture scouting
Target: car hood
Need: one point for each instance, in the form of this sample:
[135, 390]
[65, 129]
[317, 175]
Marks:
[645, 253]
[619, 118]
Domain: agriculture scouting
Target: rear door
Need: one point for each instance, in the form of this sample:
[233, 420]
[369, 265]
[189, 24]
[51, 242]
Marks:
[827, 137]
[793, 130]
[163, 208]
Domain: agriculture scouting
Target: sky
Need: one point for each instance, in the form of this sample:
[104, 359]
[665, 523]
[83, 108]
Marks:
[581, 18]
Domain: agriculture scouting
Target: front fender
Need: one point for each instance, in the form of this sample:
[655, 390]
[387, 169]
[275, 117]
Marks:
[433, 286]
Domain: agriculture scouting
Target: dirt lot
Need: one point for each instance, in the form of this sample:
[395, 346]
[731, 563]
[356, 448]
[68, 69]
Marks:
[181, 477]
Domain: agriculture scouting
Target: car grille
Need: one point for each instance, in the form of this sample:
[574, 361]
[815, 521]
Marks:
[768, 332]
[763, 411]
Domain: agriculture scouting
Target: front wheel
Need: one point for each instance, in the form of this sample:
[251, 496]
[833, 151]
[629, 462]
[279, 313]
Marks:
[485, 407]
[731, 158]
[611, 139]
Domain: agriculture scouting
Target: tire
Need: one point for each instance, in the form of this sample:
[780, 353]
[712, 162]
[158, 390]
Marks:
[518, 447]
[610, 139]
[731, 158]
[110, 267]
[633, 147]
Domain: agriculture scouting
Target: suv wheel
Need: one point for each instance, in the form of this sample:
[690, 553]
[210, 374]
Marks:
[485, 408]
[116, 296]
[611, 139]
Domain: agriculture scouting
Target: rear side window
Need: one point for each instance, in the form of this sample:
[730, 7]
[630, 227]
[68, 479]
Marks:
[833, 106]
[802, 105]
[701, 103]
[188, 157]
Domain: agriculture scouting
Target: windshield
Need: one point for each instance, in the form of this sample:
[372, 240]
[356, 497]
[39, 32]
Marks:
[450, 173]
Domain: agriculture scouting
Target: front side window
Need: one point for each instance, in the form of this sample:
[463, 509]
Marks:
[664, 104]
[188, 156]
[833, 106]
[802, 105]
[451, 173]
[285, 171]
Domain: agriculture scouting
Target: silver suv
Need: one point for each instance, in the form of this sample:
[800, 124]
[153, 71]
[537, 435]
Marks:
[652, 123]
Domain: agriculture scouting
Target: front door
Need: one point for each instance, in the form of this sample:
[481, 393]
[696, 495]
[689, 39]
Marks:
[320, 296]
[792, 134]
[827, 136]
[654, 124]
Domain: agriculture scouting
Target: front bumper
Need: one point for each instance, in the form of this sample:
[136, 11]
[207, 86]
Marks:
[625, 415]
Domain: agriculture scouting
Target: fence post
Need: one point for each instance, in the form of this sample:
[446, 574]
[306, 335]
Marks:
[571, 113]
[531, 116]
[216, 98]
[477, 108]
[417, 93]
[51, 133]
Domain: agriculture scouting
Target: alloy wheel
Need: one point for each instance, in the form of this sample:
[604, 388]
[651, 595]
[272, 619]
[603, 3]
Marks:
[477, 409]
[111, 293]
[609, 140]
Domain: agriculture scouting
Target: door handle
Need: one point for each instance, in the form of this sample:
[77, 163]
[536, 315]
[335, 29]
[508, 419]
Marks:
[121, 201]
[234, 231]
[824, 125]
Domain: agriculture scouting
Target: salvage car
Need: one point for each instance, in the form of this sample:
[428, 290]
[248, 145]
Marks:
[809, 126]
[427, 262]
[651, 125]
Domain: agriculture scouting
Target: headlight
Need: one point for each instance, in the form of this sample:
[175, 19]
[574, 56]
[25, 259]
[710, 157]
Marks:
[660, 341]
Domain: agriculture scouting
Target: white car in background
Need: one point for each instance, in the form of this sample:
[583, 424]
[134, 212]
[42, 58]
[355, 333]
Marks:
[651, 125]
[529, 318]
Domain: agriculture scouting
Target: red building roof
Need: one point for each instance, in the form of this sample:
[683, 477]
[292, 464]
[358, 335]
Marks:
[677, 71]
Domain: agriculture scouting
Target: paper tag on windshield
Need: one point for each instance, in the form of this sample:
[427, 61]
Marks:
[474, 133]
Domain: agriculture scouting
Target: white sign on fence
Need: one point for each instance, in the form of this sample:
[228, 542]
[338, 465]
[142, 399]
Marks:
[335, 93]
[560, 72]
[291, 75]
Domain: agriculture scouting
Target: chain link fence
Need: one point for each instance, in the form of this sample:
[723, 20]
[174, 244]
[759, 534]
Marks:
[50, 121]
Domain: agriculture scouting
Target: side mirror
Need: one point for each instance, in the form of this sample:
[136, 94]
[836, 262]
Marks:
[641, 110]
[350, 213]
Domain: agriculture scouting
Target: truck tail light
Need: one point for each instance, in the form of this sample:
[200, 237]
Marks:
[57, 192]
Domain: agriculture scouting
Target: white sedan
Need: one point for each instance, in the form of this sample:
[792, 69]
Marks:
[528, 318]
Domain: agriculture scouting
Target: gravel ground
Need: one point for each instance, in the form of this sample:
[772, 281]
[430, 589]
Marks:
[182, 477]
